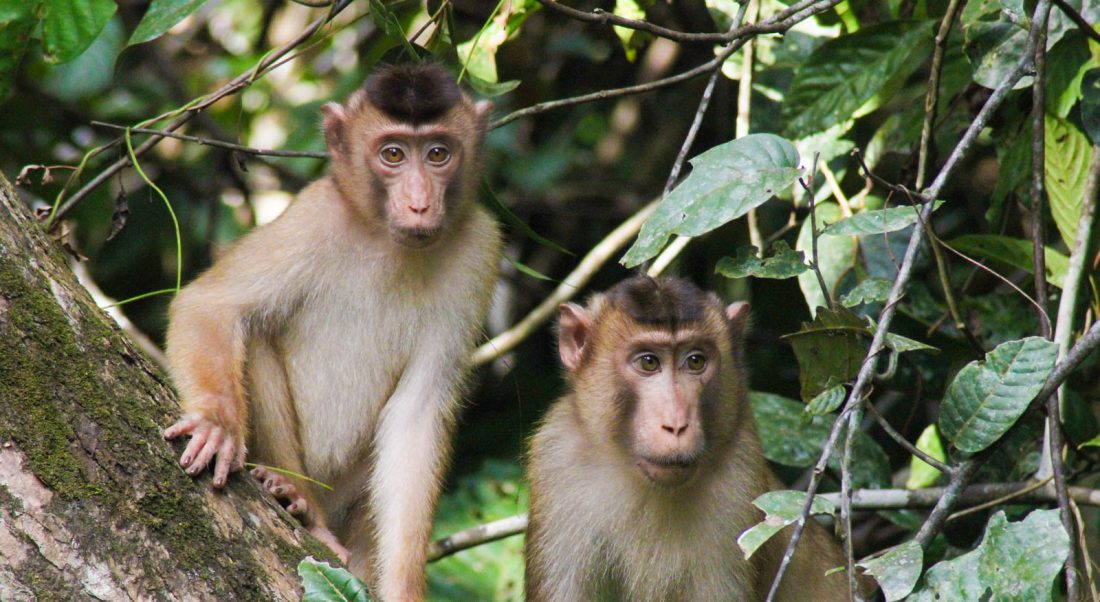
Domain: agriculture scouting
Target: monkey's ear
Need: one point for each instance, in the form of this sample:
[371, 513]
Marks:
[482, 108]
[574, 326]
[334, 120]
[737, 316]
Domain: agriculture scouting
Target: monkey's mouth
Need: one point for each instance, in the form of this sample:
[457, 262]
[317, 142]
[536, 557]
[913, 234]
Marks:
[667, 471]
[417, 238]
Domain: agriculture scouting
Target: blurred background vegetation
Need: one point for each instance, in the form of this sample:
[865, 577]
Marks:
[572, 174]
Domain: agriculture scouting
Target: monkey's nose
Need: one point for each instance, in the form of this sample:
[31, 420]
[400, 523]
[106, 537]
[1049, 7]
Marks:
[419, 209]
[675, 431]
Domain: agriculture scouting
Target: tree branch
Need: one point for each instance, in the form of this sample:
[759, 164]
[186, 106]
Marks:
[263, 152]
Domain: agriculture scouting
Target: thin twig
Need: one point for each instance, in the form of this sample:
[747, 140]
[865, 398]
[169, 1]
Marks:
[777, 24]
[854, 420]
[814, 233]
[903, 442]
[931, 97]
[1015, 495]
[481, 534]
[263, 152]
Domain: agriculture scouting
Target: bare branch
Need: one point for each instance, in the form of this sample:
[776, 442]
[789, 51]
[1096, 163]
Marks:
[263, 152]
[481, 534]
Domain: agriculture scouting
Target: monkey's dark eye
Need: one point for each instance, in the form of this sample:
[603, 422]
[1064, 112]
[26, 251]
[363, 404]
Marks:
[647, 362]
[696, 362]
[439, 155]
[393, 155]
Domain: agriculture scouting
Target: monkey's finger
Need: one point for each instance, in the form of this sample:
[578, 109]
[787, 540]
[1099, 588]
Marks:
[207, 452]
[224, 463]
[198, 440]
[182, 426]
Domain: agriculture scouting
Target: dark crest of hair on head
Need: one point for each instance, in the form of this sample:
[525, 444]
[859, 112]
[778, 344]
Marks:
[413, 93]
[666, 302]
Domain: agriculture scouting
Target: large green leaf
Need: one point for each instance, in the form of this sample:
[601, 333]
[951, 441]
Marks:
[995, 33]
[781, 508]
[90, 73]
[987, 397]
[17, 21]
[70, 26]
[877, 221]
[322, 582]
[1067, 62]
[835, 255]
[725, 183]
[897, 571]
[1014, 252]
[1090, 104]
[784, 263]
[1067, 159]
[1015, 562]
[843, 75]
[160, 17]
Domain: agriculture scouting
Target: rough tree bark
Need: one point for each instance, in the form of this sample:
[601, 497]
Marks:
[92, 503]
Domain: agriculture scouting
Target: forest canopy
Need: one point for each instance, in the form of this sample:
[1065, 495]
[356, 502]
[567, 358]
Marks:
[904, 190]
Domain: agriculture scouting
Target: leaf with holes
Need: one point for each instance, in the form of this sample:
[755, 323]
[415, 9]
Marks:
[987, 397]
[878, 221]
[322, 582]
[725, 183]
[781, 508]
[897, 571]
[784, 263]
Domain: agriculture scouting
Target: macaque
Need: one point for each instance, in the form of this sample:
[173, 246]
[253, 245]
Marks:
[643, 475]
[333, 342]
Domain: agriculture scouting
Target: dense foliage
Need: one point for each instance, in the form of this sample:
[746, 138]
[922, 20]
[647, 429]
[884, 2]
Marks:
[905, 190]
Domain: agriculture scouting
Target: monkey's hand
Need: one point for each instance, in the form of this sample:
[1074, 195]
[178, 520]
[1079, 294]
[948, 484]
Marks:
[208, 439]
[296, 504]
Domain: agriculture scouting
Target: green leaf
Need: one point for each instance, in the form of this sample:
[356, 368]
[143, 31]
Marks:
[70, 26]
[827, 401]
[489, 89]
[1014, 252]
[897, 571]
[829, 350]
[90, 73]
[725, 183]
[922, 474]
[781, 508]
[987, 397]
[325, 583]
[1067, 62]
[994, 36]
[1015, 562]
[18, 19]
[902, 344]
[1067, 159]
[878, 221]
[788, 435]
[784, 263]
[160, 17]
[871, 290]
[843, 76]
[1090, 104]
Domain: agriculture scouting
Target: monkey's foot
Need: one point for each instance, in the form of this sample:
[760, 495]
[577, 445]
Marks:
[287, 494]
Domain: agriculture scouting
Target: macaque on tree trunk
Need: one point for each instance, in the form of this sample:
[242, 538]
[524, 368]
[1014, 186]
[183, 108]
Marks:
[333, 342]
[643, 475]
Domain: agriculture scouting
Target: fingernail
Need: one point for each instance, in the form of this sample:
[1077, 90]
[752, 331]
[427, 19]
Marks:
[185, 461]
[219, 482]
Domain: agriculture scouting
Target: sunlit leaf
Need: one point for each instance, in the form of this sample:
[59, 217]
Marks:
[161, 16]
[783, 263]
[897, 571]
[922, 474]
[725, 183]
[995, 34]
[1014, 252]
[987, 397]
[877, 221]
[325, 583]
[1068, 153]
[781, 508]
[1067, 62]
[630, 38]
[845, 73]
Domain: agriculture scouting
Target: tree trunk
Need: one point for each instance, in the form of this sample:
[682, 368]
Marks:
[93, 505]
